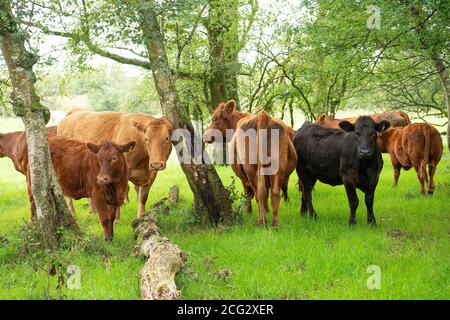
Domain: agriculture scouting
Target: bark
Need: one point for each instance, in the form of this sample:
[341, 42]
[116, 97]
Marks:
[224, 44]
[165, 259]
[51, 208]
[442, 70]
[212, 203]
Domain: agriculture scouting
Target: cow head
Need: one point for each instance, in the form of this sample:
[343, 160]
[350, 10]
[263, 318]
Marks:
[223, 118]
[365, 130]
[111, 160]
[157, 135]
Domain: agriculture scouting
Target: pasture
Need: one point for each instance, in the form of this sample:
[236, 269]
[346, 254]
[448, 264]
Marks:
[303, 259]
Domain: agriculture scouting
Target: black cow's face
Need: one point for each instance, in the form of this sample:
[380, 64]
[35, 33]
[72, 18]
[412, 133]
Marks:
[365, 130]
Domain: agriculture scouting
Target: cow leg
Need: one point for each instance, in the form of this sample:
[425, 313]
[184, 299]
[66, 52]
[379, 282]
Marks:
[262, 197]
[143, 196]
[104, 215]
[117, 215]
[421, 179]
[369, 204]
[432, 171]
[275, 199]
[91, 206]
[143, 193]
[69, 202]
[284, 188]
[352, 201]
[396, 175]
[249, 194]
[307, 185]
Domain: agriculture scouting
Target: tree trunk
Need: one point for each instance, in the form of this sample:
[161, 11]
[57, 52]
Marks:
[51, 209]
[223, 39]
[212, 203]
[445, 81]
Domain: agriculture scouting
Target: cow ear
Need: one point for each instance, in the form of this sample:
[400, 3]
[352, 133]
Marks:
[346, 126]
[320, 117]
[139, 126]
[382, 125]
[94, 148]
[332, 116]
[127, 147]
[230, 106]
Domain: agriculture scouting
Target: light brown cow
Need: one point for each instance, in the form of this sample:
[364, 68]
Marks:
[414, 146]
[152, 136]
[255, 183]
[396, 119]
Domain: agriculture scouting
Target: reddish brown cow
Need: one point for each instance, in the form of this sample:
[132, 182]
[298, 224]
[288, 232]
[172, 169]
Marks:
[254, 182]
[414, 146]
[396, 119]
[226, 117]
[85, 170]
[11, 147]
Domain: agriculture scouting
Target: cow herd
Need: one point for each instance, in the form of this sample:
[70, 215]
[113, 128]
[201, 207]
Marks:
[95, 154]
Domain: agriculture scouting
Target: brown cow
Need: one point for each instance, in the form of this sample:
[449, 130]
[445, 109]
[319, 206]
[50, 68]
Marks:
[396, 119]
[152, 136]
[255, 184]
[226, 117]
[88, 170]
[252, 175]
[11, 147]
[416, 145]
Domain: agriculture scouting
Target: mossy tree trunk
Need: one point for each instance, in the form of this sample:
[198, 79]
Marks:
[51, 209]
[212, 202]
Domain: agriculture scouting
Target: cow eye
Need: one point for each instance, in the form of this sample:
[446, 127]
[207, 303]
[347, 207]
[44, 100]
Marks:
[114, 159]
[167, 138]
[146, 140]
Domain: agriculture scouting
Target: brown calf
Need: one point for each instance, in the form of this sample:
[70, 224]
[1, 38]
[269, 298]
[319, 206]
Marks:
[414, 146]
[88, 170]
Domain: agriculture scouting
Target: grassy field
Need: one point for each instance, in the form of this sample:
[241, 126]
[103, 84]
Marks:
[303, 259]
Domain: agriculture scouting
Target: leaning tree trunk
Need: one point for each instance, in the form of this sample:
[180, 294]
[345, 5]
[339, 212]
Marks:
[212, 202]
[51, 209]
[442, 70]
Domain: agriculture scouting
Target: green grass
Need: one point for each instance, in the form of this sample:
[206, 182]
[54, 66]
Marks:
[303, 259]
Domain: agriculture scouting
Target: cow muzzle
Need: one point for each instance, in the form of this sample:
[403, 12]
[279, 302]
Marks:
[157, 165]
[103, 180]
[364, 153]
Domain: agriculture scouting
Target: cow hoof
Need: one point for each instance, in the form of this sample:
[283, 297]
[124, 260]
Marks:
[430, 192]
[275, 225]
[303, 213]
[117, 221]
[352, 223]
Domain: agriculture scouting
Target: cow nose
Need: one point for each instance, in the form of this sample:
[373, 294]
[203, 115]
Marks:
[364, 152]
[157, 165]
[103, 179]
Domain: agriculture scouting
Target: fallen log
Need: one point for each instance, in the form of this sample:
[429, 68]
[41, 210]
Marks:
[165, 259]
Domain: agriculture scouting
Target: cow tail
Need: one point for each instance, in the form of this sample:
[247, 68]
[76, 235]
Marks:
[423, 165]
[262, 122]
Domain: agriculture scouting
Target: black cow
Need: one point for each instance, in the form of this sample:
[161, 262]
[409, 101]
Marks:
[350, 157]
